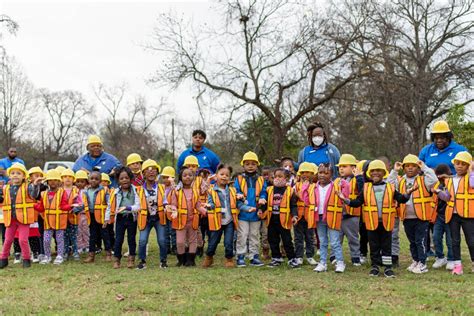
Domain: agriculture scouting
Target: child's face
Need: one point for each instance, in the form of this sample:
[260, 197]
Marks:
[16, 177]
[461, 167]
[223, 177]
[124, 180]
[250, 166]
[411, 170]
[193, 168]
[54, 184]
[279, 178]
[324, 176]
[94, 180]
[377, 175]
[67, 181]
[346, 170]
[306, 176]
[166, 180]
[151, 174]
[187, 177]
[288, 165]
[136, 167]
[35, 176]
[104, 183]
[81, 183]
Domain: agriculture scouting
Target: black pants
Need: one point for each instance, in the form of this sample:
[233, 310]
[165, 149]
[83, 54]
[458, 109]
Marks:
[96, 230]
[34, 245]
[417, 231]
[304, 236]
[204, 229]
[110, 229]
[364, 239]
[41, 230]
[380, 243]
[2, 232]
[277, 232]
[467, 224]
[125, 223]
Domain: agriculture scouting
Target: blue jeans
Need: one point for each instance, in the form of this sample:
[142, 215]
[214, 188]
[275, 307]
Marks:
[334, 239]
[215, 239]
[153, 222]
[439, 229]
[171, 235]
[417, 232]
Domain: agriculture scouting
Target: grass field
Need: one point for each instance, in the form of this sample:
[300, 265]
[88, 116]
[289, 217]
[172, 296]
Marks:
[98, 289]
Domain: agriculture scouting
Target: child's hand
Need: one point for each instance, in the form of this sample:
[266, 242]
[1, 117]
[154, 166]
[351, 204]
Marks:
[435, 191]
[174, 214]
[240, 196]
[259, 213]
[262, 202]
[444, 176]
[294, 220]
[104, 225]
[356, 172]
[398, 166]
[421, 164]
[121, 209]
[38, 180]
[340, 195]
[252, 209]
[413, 188]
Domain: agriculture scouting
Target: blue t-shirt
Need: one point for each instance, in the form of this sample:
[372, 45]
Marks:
[327, 153]
[207, 158]
[6, 163]
[105, 163]
[432, 156]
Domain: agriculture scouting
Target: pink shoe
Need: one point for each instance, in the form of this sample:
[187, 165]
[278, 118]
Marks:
[457, 270]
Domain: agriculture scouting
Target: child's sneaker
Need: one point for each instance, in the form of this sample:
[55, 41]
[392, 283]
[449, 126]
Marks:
[299, 261]
[321, 267]
[141, 265]
[333, 260]
[457, 270]
[76, 256]
[276, 262]
[293, 263]
[163, 264]
[340, 267]
[450, 265]
[374, 271]
[363, 259]
[439, 262]
[240, 262]
[356, 262]
[255, 262]
[420, 268]
[59, 260]
[389, 273]
[17, 258]
[412, 266]
[45, 260]
[311, 261]
[35, 258]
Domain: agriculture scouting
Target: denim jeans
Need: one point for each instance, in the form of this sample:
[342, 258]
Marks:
[215, 239]
[417, 232]
[153, 222]
[440, 228]
[125, 223]
[170, 235]
[334, 239]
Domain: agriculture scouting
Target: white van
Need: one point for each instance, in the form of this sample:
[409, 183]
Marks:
[53, 164]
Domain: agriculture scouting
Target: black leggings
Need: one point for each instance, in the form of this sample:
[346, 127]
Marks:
[467, 224]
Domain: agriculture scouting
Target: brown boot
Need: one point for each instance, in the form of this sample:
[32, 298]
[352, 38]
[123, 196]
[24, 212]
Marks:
[208, 261]
[131, 262]
[229, 263]
[90, 258]
[116, 263]
[266, 254]
[108, 256]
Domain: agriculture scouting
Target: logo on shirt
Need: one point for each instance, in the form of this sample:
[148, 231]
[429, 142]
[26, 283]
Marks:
[450, 154]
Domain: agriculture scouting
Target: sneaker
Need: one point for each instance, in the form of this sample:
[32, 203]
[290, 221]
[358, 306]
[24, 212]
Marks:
[450, 265]
[374, 271]
[293, 263]
[163, 265]
[299, 261]
[340, 267]
[389, 273]
[363, 259]
[439, 263]
[141, 265]
[17, 258]
[98, 251]
[58, 260]
[321, 267]
[311, 261]
[333, 260]
[76, 256]
[45, 260]
[126, 254]
[356, 262]
[240, 261]
[318, 253]
[275, 263]
[26, 263]
[255, 262]
[40, 257]
[412, 266]
[35, 258]
[457, 269]
[420, 268]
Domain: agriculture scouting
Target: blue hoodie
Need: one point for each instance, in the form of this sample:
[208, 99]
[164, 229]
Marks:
[251, 199]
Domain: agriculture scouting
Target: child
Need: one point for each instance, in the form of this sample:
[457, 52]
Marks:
[155, 216]
[167, 176]
[37, 228]
[378, 209]
[106, 182]
[54, 204]
[18, 211]
[252, 190]
[323, 197]
[289, 164]
[96, 201]
[185, 207]
[125, 203]
[82, 181]
[304, 229]
[267, 174]
[222, 213]
[417, 212]
[134, 162]
[281, 214]
[443, 172]
[459, 195]
[362, 166]
[73, 197]
[351, 215]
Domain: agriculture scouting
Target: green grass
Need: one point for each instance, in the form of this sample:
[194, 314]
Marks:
[91, 289]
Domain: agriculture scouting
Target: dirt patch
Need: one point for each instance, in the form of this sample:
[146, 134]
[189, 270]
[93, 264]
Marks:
[283, 308]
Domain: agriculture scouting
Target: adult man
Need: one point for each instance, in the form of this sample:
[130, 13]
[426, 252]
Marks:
[7, 162]
[207, 158]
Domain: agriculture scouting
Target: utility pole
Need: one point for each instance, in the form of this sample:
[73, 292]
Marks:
[172, 142]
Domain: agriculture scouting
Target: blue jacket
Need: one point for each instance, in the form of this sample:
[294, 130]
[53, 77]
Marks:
[105, 163]
[432, 156]
[206, 157]
[6, 163]
[327, 153]
[251, 199]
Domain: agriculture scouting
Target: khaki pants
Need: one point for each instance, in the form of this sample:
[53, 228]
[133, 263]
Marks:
[248, 231]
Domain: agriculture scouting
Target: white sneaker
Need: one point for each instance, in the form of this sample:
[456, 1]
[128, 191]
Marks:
[126, 254]
[58, 260]
[45, 260]
[340, 267]
[420, 268]
[311, 261]
[321, 267]
[450, 265]
[412, 266]
[299, 261]
[363, 260]
[440, 262]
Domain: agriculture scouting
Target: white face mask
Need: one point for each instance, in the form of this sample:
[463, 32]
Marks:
[318, 140]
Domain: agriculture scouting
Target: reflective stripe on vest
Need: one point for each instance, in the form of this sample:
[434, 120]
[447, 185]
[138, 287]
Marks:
[462, 200]
[334, 207]
[285, 214]
[244, 187]
[24, 206]
[215, 215]
[370, 209]
[422, 200]
[54, 218]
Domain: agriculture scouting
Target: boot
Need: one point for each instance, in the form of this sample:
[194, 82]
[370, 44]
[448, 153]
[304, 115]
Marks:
[190, 260]
[266, 254]
[208, 261]
[26, 263]
[108, 256]
[3, 263]
[131, 262]
[181, 259]
[90, 258]
[199, 252]
[229, 263]
[116, 263]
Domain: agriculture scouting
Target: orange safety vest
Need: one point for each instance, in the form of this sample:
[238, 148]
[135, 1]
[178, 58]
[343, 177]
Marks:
[215, 215]
[244, 188]
[311, 215]
[370, 210]
[24, 206]
[422, 200]
[143, 204]
[434, 215]
[73, 218]
[143, 213]
[334, 207]
[54, 217]
[300, 204]
[197, 186]
[353, 193]
[285, 213]
[179, 222]
[462, 200]
[100, 207]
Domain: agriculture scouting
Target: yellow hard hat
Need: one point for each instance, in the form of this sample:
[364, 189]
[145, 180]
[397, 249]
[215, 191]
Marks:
[68, 173]
[375, 165]
[315, 167]
[81, 174]
[60, 169]
[36, 170]
[18, 166]
[440, 127]
[463, 156]
[133, 158]
[105, 177]
[250, 156]
[347, 160]
[150, 163]
[305, 167]
[410, 158]
[53, 174]
[360, 164]
[93, 139]
[190, 161]
[169, 172]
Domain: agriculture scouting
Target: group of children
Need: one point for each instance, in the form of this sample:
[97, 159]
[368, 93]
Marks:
[281, 211]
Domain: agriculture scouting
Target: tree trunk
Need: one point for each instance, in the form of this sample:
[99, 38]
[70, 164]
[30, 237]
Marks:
[279, 136]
